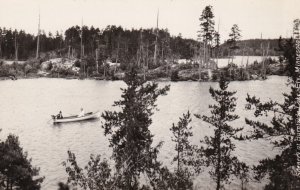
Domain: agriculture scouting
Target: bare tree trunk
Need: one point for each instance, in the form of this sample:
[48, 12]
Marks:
[219, 161]
[7, 184]
[97, 61]
[200, 62]
[104, 68]
[162, 54]
[69, 51]
[147, 55]
[16, 48]
[38, 41]
[156, 38]
[118, 49]
[0, 45]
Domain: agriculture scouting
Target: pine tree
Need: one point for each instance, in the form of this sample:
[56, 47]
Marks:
[282, 131]
[16, 171]
[207, 30]
[216, 43]
[234, 36]
[129, 132]
[185, 157]
[219, 147]
[95, 175]
[207, 25]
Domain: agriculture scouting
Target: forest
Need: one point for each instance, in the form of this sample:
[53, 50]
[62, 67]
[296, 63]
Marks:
[116, 43]
[148, 49]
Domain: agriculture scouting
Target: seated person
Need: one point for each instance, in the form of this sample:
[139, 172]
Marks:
[59, 115]
[82, 113]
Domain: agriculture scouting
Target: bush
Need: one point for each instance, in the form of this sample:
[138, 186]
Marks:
[124, 66]
[77, 63]
[174, 75]
[4, 70]
[185, 66]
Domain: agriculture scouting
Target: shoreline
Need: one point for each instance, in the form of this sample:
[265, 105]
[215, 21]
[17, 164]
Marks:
[154, 80]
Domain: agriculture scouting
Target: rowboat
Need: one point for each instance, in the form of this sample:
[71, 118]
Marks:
[74, 118]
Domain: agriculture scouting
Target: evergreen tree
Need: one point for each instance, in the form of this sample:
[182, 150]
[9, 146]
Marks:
[185, 157]
[216, 44]
[207, 25]
[234, 36]
[206, 35]
[219, 147]
[16, 171]
[282, 130]
[129, 132]
[206, 32]
[95, 175]
[62, 186]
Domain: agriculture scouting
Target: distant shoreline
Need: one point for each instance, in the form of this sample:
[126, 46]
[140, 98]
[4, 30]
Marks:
[154, 80]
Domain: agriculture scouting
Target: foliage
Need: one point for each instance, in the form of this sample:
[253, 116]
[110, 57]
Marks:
[16, 171]
[289, 53]
[174, 75]
[219, 147]
[250, 47]
[26, 43]
[62, 186]
[185, 153]
[234, 36]
[95, 175]
[112, 42]
[207, 25]
[282, 131]
[129, 132]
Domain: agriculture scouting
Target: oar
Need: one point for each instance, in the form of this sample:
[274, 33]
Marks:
[49, 120]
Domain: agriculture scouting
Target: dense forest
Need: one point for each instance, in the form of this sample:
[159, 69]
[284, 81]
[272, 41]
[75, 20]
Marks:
[117, 43]
[253, 47]
[113, 42]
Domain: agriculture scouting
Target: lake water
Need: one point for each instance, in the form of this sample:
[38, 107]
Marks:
[26, 106]
[242, 60]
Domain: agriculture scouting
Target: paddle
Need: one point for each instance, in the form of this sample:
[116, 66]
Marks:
[49, 120]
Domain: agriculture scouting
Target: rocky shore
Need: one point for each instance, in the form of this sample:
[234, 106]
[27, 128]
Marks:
[70, 69]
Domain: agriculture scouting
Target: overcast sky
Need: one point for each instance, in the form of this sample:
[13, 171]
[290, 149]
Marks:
[272, 18]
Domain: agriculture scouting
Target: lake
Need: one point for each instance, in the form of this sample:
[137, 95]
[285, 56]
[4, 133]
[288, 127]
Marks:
[242, 60]
[26, 106]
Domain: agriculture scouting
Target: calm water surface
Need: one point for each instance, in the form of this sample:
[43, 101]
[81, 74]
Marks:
[26, 106]
[242, 60]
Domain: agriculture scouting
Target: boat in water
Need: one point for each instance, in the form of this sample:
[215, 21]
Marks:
[74, 118]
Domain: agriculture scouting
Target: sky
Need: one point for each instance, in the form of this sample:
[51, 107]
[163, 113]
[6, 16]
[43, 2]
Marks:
[269, 18]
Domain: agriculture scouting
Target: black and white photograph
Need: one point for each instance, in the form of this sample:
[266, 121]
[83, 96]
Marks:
[149, 95]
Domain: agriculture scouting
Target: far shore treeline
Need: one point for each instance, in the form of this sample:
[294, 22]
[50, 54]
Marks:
[115, 43]
[154, 52]
[89, 52]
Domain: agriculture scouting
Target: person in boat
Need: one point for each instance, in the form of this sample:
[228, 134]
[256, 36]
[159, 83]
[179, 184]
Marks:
[59, 115]
[82, 113]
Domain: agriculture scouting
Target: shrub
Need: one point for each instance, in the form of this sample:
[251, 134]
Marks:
[174, 75]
